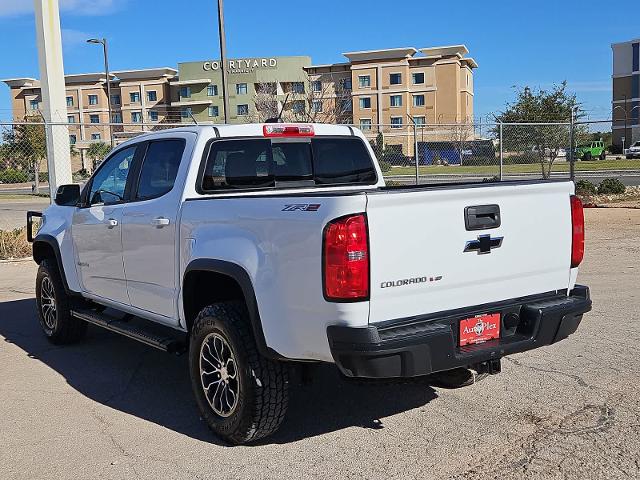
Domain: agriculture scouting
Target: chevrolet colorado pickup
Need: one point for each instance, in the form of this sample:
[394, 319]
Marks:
[261, 249]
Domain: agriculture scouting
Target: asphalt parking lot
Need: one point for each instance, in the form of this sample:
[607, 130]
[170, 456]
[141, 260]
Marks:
[111, 408]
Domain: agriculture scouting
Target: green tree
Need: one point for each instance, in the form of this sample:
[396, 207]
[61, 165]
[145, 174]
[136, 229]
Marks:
[28, 146]
[539, 106]
[97, 151]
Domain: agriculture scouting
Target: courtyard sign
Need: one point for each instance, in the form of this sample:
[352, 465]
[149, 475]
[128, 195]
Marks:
[247, 65]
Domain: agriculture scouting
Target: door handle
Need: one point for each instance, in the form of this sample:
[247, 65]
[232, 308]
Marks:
[160, 222]
[112, 222]
[482, 217]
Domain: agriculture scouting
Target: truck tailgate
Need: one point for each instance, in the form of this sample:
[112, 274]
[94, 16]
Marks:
[418, 238]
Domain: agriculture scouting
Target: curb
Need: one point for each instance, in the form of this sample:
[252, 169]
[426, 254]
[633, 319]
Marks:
[16, 260]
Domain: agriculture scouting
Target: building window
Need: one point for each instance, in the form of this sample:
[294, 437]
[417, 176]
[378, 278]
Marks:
[317, 105]
[73, 139]
[93, 99]
[71, 119]
[365, 102]
[365, 124]
[134, 97]
[241, 88]
[364, 81]
[136, 117]
[395, 78]
[116, 118]
[186, 112]
[95, 136]
[153, 115]
[347, 105]
[418, 100]
[395, 100]
[297, 87]
[185, 92]
[396, 122]
[212, 90]
[419, 121]
[417, 78]
[243, 109]
[346, 84]
[69, 101]
[213, 111]
[635, 47]
[94, 118]
[152, 96]
[298, 106]
[316, 86]
[33, 104]
[115, 100]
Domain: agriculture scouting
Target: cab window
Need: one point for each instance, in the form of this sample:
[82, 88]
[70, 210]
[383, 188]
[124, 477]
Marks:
[159, 168]
[109, 183]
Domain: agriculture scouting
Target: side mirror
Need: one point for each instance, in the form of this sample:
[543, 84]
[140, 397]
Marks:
[68, 195]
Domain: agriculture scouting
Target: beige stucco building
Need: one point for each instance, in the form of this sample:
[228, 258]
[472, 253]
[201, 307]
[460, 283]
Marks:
[396, 87]
[139, 99]
[393, 88]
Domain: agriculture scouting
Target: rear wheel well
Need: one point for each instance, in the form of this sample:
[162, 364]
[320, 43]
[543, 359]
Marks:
[202, 288]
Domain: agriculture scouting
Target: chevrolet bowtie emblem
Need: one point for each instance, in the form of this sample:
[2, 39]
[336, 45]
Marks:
[483, 244]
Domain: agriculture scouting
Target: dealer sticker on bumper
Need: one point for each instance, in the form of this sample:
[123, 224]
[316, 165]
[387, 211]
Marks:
[480, 328]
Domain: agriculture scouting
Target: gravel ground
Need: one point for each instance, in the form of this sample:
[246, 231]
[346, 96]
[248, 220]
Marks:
[111, 408]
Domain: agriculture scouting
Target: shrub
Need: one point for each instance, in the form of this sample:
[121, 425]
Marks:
[585, 187]
[611, 186]
[385, 166]
[524, 158]
[13, 244]
[13, 175]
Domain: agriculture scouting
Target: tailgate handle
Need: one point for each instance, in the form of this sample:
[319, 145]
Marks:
[482, 217]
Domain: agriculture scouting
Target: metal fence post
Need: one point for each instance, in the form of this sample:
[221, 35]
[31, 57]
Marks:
[571, 141]
[417, 156]
[501, 152]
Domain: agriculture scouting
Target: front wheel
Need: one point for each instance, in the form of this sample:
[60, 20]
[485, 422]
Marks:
[587, 157]
[54, 309]
[603, 156]
[241, 395]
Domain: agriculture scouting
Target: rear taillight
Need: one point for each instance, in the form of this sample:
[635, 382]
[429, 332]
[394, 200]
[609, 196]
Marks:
[346, 259]
[577, 231]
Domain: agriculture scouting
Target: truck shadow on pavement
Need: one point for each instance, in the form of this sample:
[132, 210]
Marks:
[121, 374]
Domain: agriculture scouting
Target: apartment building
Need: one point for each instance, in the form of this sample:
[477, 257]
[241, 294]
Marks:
[626, 93]
[399, 86]
[139, 98]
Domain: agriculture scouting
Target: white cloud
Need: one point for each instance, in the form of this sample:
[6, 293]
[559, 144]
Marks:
[72, 38]
[14, 8]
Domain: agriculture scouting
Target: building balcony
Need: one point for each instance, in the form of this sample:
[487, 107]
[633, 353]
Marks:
[191, 102]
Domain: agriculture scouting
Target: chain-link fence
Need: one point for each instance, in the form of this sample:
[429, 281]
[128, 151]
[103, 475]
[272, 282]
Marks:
[24, 150]
[445, 152]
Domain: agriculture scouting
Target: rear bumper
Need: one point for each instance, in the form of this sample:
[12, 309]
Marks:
[424, 345]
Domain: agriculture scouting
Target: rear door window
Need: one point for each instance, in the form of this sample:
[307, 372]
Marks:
[265, 163]
[159, 168]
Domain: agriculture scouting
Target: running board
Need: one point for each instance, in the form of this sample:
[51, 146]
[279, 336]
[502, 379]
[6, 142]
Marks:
[166, 343]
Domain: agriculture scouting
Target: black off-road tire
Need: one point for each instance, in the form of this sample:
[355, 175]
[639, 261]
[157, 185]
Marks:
[263, 384]
[59, 327]
[587, 157]
[603, 156]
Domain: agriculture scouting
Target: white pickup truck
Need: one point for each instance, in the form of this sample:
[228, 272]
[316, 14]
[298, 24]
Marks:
[260, 249]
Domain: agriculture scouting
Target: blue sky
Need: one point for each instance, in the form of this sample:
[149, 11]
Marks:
[515, 43]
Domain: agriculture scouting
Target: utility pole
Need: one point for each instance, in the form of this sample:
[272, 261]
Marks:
[624, 135]
[49, 42]
[223, 60]
[103, 42]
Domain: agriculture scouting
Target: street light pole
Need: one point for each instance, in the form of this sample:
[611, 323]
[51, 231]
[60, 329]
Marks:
[223, 60]
[105, 51]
